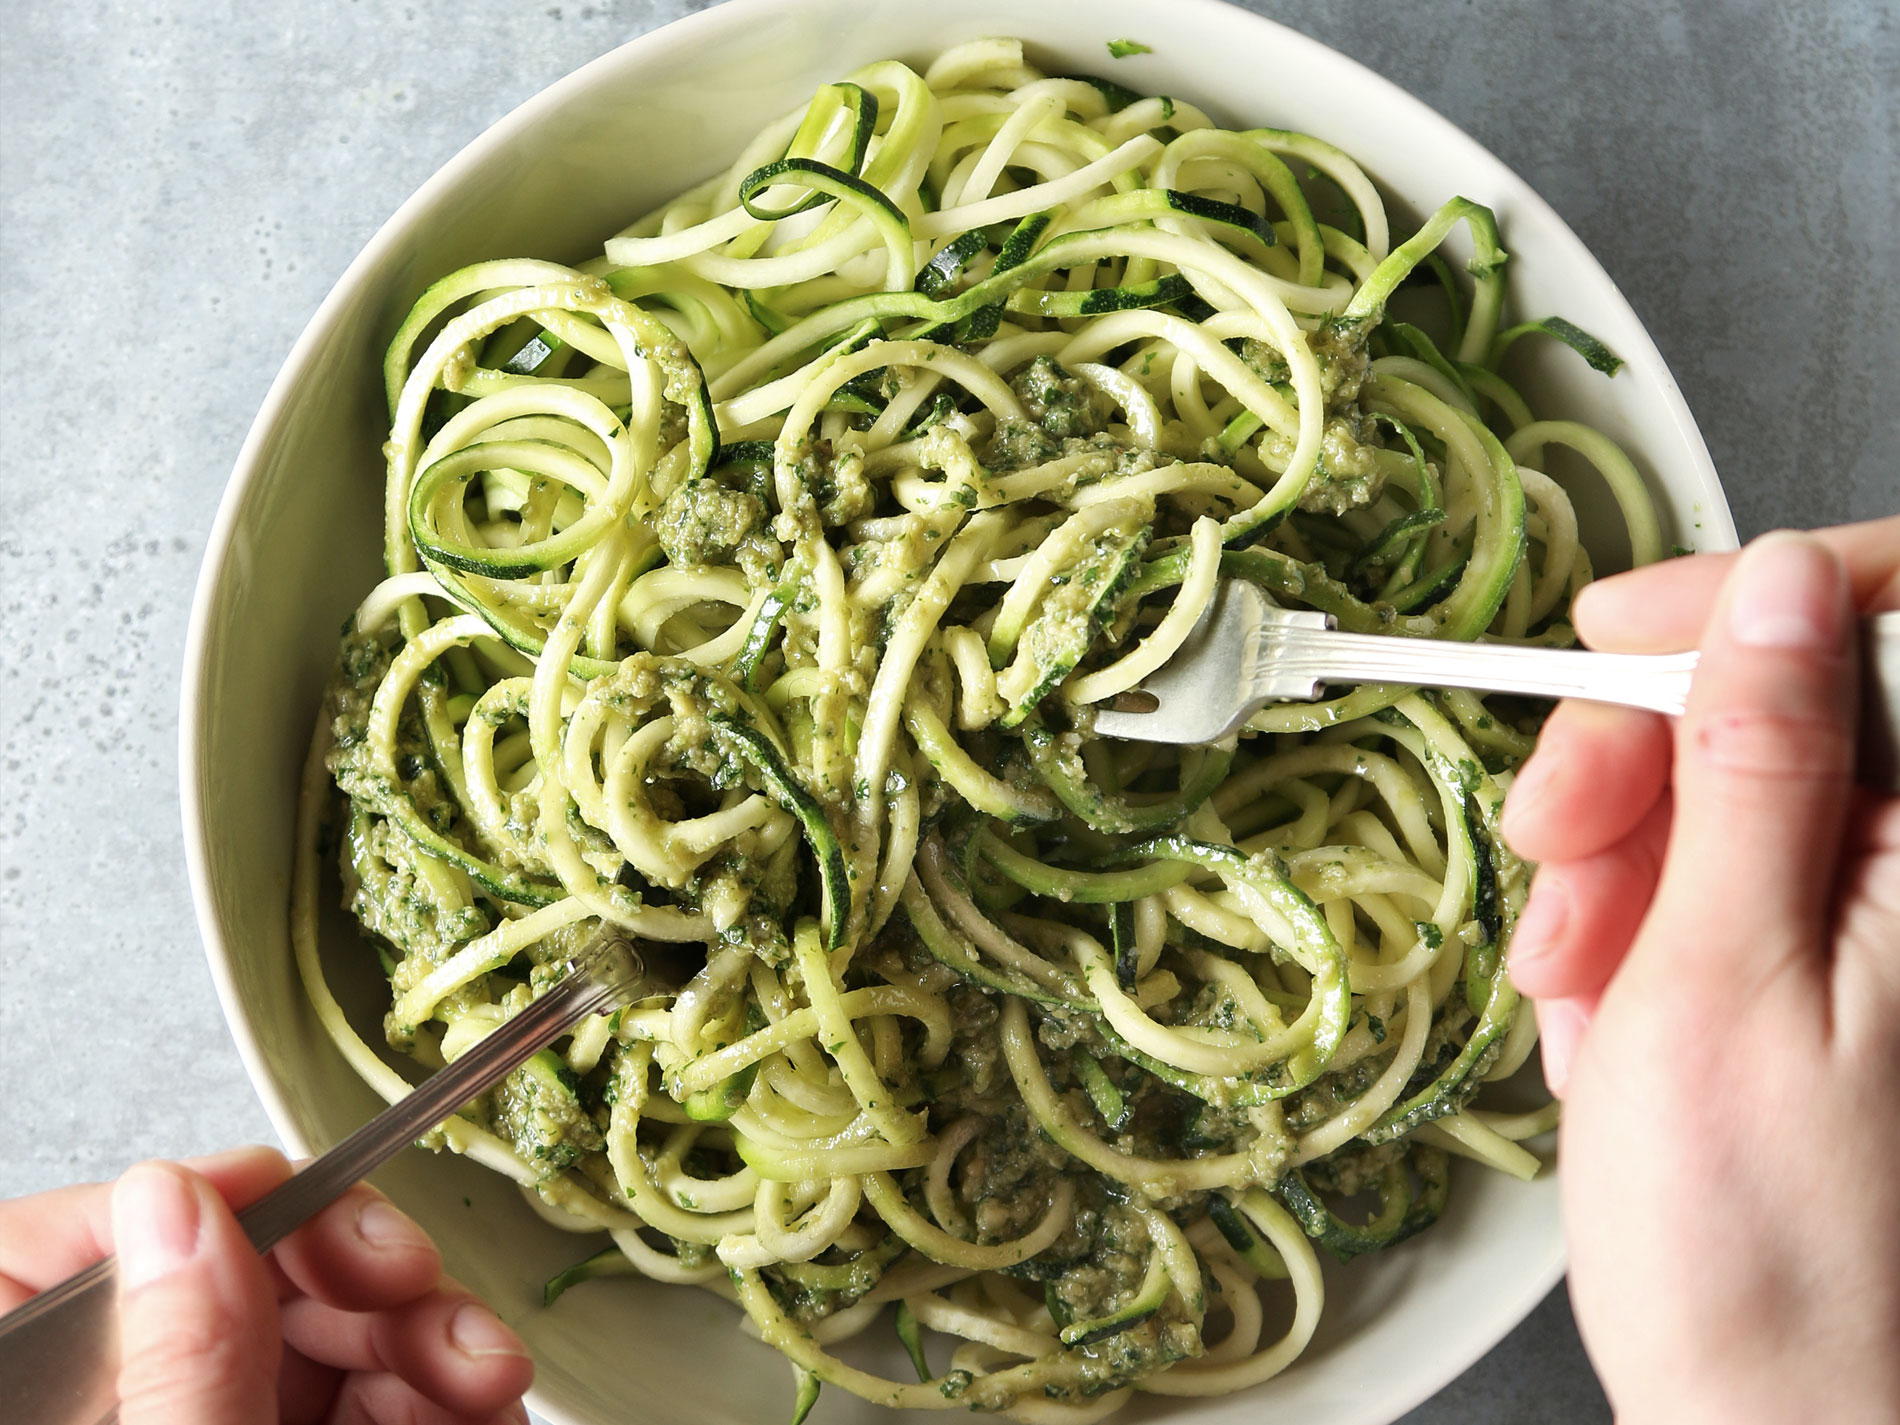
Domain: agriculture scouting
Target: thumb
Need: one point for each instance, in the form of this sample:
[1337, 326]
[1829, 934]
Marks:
[1763, 774]
[198, 1336]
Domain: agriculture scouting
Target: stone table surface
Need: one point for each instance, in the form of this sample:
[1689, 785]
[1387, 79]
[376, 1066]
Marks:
[182, 180]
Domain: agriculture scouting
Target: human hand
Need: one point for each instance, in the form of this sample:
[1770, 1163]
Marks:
[1713, 941]
[349, 1319]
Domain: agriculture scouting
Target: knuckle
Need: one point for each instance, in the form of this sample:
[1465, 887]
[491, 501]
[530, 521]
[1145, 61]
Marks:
[382, 1398]
[1774, 746]
[1636, 864]
[186, 1355]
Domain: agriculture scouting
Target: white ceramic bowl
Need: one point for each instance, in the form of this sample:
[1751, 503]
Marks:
[296, 546]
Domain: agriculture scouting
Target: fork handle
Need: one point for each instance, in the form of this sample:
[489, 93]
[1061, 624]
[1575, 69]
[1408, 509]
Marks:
[59, 1351]
[1658, 682]
[596, 983]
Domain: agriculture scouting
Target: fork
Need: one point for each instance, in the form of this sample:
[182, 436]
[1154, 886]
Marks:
[1246, 651]
[59, 1351]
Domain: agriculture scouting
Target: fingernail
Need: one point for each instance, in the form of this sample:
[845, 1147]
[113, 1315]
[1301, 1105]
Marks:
[477, 1331]
[384, 1227]
[1788, 593]
[1560, 1026]
[1585, 599]
[154, 1223]
[1541, 925]
[1532, 781]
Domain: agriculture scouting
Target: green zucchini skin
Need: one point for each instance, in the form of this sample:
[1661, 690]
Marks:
[1243, 1239]
[1110, 812]
[719, 1103]
[805, 1396]
[910, 1334]
[864, 108]
[1107, 1096]
[1121, 931]
[1139, 1308]
[861, 466]
[826, 848]
[954, 951]
[1404, 1210]
[1059, 638]
[609, 1262]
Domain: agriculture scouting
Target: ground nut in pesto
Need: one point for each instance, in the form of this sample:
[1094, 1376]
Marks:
[751, 587]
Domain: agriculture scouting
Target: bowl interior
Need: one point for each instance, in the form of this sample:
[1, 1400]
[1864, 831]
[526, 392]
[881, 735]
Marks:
[297, 542]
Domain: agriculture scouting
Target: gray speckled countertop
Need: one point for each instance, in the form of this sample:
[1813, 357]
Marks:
[182, 180]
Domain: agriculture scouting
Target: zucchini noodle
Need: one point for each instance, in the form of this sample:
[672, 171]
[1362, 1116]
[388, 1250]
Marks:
[750, 589]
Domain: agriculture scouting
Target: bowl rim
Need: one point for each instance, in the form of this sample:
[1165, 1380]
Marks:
[1504, 1311]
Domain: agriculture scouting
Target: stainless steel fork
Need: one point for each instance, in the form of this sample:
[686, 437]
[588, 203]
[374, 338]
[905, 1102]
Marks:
[1247, 651]
[59, 1351]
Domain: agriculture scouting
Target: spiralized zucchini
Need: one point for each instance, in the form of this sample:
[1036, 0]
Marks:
[749, 589]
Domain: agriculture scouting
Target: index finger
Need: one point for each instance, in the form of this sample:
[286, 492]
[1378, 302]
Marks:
[1763, 776]
[1664, 607]
[47, 1237]
[360, 1254]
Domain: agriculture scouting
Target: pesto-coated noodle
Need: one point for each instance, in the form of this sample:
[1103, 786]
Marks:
[749, 589]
